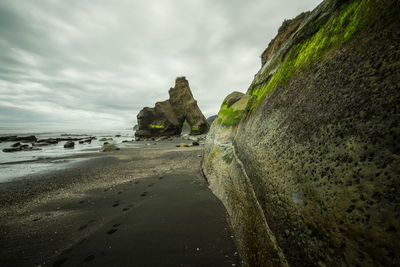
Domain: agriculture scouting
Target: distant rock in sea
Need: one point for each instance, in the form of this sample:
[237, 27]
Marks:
[168, 117]
[69, 144]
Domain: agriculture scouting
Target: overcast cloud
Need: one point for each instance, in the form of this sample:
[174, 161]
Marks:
[97, 63]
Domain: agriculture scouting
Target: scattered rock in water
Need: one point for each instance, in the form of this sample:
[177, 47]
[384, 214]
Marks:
[14, 138]
[118, 135]
[106, 139]
[69, 144]
[16, 144]
[108, 148]
[86, 140]
[20, 148]
[106, 143]
[12, 149]
[195, 143]
[49, 141]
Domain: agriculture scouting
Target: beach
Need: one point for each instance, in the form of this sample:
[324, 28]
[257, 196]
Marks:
[141, 206]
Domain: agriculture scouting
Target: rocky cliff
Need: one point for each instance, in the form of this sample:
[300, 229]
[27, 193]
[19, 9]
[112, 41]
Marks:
[307, 162]
[168, 117]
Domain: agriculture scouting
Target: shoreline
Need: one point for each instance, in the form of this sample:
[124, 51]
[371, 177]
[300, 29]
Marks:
[60, 216]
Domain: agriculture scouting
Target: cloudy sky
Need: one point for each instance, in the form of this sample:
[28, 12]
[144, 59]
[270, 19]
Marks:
[96, 63]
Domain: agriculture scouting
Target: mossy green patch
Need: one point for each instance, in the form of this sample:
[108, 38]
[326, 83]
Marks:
[228, 157]
[228, 116]
[213, 154]
[152, 126]
[340, 28]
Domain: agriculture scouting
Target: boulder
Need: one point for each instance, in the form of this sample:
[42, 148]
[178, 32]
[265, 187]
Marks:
[48, 141]
[211, 119]
[86, 140]
[10, 138]
[69, 144]
[27, 139]
[232, 98]
[108, 148]
[16, 148]
[105, 139]
[16, 144]
[11, 149]
[168, 117]
[22, 139]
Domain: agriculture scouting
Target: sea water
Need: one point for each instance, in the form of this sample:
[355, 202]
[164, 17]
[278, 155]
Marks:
[15, 165]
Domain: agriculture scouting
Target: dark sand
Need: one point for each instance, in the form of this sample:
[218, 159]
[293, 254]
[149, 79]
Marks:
[134, 207]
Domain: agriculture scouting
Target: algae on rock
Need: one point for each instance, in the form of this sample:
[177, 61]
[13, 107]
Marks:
[167, 117]
[318, 141]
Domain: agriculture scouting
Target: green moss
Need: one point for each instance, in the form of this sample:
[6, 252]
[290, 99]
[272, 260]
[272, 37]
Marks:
[228, 116]
[213, 154]
[340, 28]
[196, 129]
[228, 157]
[152, 126]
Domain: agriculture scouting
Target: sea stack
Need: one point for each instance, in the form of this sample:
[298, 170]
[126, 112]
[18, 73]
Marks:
[168, 117]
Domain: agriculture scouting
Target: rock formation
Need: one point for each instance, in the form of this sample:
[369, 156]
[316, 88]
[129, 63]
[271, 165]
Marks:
[307, 162]
[167, 117]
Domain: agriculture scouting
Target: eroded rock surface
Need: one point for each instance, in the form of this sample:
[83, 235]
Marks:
[167, 117]
[309, 168]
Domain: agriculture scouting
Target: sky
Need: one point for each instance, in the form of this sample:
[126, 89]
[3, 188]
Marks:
[97, 63]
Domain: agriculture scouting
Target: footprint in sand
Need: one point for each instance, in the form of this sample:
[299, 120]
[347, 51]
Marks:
[115, 204]
[59, 262]
[144, 194]
[82, 201]
[150, 185]
[125, 209]
[120, 192]
[83, 227]
[65, 252]
[161, 177]
[136, 182]
[116, 225]
[111, 231]
[36, 219]
[89, 258]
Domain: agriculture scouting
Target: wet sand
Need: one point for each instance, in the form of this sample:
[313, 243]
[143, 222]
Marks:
[135, 207]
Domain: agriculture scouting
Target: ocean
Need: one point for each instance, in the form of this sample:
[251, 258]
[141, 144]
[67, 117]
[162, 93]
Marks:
[22, 164]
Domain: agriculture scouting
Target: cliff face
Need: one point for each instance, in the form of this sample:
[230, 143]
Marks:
[308, 161]
[167, 117]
